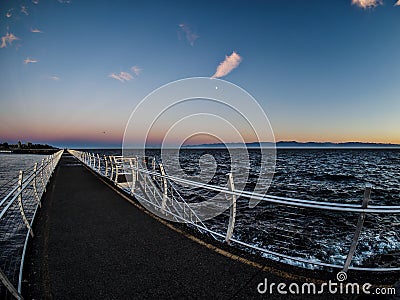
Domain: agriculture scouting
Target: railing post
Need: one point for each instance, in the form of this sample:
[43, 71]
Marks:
[99, 165]
[232, 212]
[112, 167]
[133, 171]
[50, 165]
[165, 189]
[42, 175]
[116, 170]
[20, 204]
[153, 165]
[106, 166]
[47, 168]
[360, 222]
[144, 177]
[137, 167]
[34, 185]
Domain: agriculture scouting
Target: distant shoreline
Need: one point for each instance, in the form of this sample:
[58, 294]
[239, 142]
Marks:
[248, 148]
[29, 151]
[297, 145]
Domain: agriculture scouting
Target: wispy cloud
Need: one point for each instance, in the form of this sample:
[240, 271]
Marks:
[35, 1]
[8, 38]
[30, 61]
[64, 1]
[24, 10]
[126, 76]
[55, 78]
[9, 13]
[122, 76]
[366, 3]
[136, 70]
[231, 62]
[190, 35]
[36, 30]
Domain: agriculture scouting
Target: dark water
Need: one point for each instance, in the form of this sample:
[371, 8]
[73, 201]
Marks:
[334, 175]
[12, 228]
[11, 164]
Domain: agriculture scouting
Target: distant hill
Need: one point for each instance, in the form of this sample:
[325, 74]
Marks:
[297, 145]
[293, 144]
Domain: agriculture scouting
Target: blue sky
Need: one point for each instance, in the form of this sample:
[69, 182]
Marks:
[321, 70]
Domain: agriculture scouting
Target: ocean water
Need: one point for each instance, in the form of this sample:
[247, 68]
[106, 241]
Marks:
[11, 164]
[12, 227]
[336, 175]
[329, 175]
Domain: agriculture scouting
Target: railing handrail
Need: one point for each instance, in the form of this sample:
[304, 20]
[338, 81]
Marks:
[347, 207]
[26, 182]
[31, 174]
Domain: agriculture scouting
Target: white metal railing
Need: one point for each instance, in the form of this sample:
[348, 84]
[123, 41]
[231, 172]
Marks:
[155, 188]
[17, 212]
[150, 187]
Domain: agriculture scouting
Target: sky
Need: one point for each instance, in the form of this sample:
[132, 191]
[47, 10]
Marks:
[73, 71]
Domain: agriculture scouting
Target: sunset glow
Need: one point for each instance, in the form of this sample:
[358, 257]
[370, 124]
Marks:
[321, 70]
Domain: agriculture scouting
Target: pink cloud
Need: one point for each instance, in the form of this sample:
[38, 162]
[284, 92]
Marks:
[122, 76]
[8, 38]
[36, 30]
[231, 62]
[190, 35]
[9, 13]
[366, 3]
[30, 61]
[136, 70]
[24, 10]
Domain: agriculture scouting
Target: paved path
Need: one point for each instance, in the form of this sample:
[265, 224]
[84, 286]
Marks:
[93, 244]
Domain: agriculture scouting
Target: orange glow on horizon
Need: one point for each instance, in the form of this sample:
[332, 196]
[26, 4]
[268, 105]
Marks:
[60, 133]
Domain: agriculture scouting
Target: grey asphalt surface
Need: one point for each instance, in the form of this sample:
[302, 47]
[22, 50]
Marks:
[90, 243]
